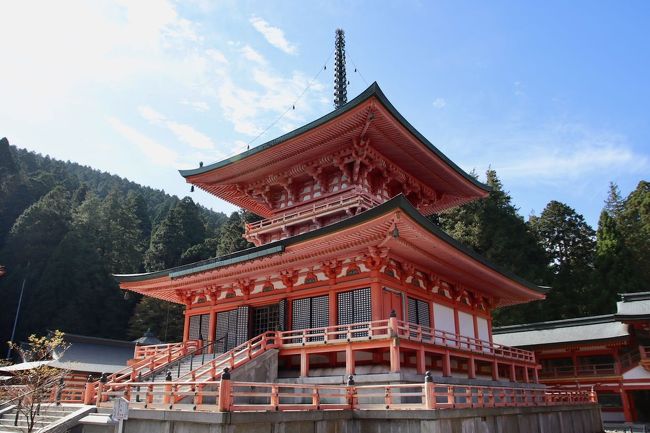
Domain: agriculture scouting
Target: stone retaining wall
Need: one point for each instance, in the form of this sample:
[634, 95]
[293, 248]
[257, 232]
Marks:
[557, 419]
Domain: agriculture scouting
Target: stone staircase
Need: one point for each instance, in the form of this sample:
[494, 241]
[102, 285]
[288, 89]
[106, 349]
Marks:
[50, 415]
[180, 368]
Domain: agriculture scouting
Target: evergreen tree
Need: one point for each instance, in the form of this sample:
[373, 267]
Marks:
[494, 229]
[569, 244]
[634, 224]
[165, 319]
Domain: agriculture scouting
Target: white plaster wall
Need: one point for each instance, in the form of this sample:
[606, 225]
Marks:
[483, 332]
[466, 324]
[443, 319]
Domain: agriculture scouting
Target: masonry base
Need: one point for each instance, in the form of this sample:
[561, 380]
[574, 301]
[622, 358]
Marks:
[556, 419]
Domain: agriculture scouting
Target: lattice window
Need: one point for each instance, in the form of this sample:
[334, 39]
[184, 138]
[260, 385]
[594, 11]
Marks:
[419, 312]
[199, 327]
[282, 315]
[310, 313]
[226, 331]
[242, 325]
[266, 318]
[354, 307]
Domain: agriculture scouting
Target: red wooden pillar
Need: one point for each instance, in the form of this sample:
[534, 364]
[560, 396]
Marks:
[349, 360]
[304, 363]
[446, 364]
[627, 407]
[420, 360]
[289, 318]
[574, 358]
[376, 296]
[513, 373]
[333, 319]
[471, 368]
[213, 329]
[526, 377]
[495, 370]
[186, 326]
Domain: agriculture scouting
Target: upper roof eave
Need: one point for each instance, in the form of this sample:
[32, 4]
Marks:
[398, 202]
[372, 90]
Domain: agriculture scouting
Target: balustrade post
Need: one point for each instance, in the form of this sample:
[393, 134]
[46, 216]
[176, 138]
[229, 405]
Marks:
[388, 398]
[275, 397]
[393, 328]
[351, 393]
[429, 392]
[593, 397]
[100, 388]
[451, 398]
[89, 391]
[315, 398]
[224, 402]
[168, 388]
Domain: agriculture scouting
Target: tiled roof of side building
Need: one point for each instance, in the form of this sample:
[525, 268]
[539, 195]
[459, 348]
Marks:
[372, 90]
[278, 246]
[594, 328]
[633, 306]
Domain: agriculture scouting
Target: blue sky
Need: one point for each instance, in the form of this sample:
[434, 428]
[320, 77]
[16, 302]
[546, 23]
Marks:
[553, 95]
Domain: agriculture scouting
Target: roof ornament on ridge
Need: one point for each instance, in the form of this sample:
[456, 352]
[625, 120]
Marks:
[340, 80]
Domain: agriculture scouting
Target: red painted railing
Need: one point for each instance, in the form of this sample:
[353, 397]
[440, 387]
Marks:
[227, 395]
[332, 335]
[383, 329]
[428, 335]
[606, 369]
[151, 362]
[317, 208]
[142, 352]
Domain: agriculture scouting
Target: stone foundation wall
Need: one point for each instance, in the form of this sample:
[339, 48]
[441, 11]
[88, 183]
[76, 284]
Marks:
[558, 419]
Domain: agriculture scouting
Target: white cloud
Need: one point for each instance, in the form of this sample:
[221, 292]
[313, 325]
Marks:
[560, 154]
[185, 133]
[274, 35]
[216, 55]
[439, 103]
[200, 106]
[252, 55]
[154, 151]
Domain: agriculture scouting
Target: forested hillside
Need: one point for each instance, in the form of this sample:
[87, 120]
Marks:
[64, 228]
[585, 268]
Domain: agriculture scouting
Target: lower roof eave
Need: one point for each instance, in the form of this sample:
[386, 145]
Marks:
[143, 283]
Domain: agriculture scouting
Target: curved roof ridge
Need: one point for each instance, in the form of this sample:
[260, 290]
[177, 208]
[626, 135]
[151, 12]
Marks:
[372, 90]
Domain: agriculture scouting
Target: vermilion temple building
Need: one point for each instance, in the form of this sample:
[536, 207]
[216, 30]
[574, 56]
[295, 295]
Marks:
[346, 264]
[609, 353]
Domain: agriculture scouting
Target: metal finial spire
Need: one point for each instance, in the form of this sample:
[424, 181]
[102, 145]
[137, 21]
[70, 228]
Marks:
[340, 80]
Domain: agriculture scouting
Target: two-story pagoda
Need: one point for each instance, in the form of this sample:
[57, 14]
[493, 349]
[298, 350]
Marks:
[346, 264]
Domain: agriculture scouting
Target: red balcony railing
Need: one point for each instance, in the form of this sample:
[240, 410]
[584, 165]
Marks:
[317, 209]
[227, 396]
[385, 329]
